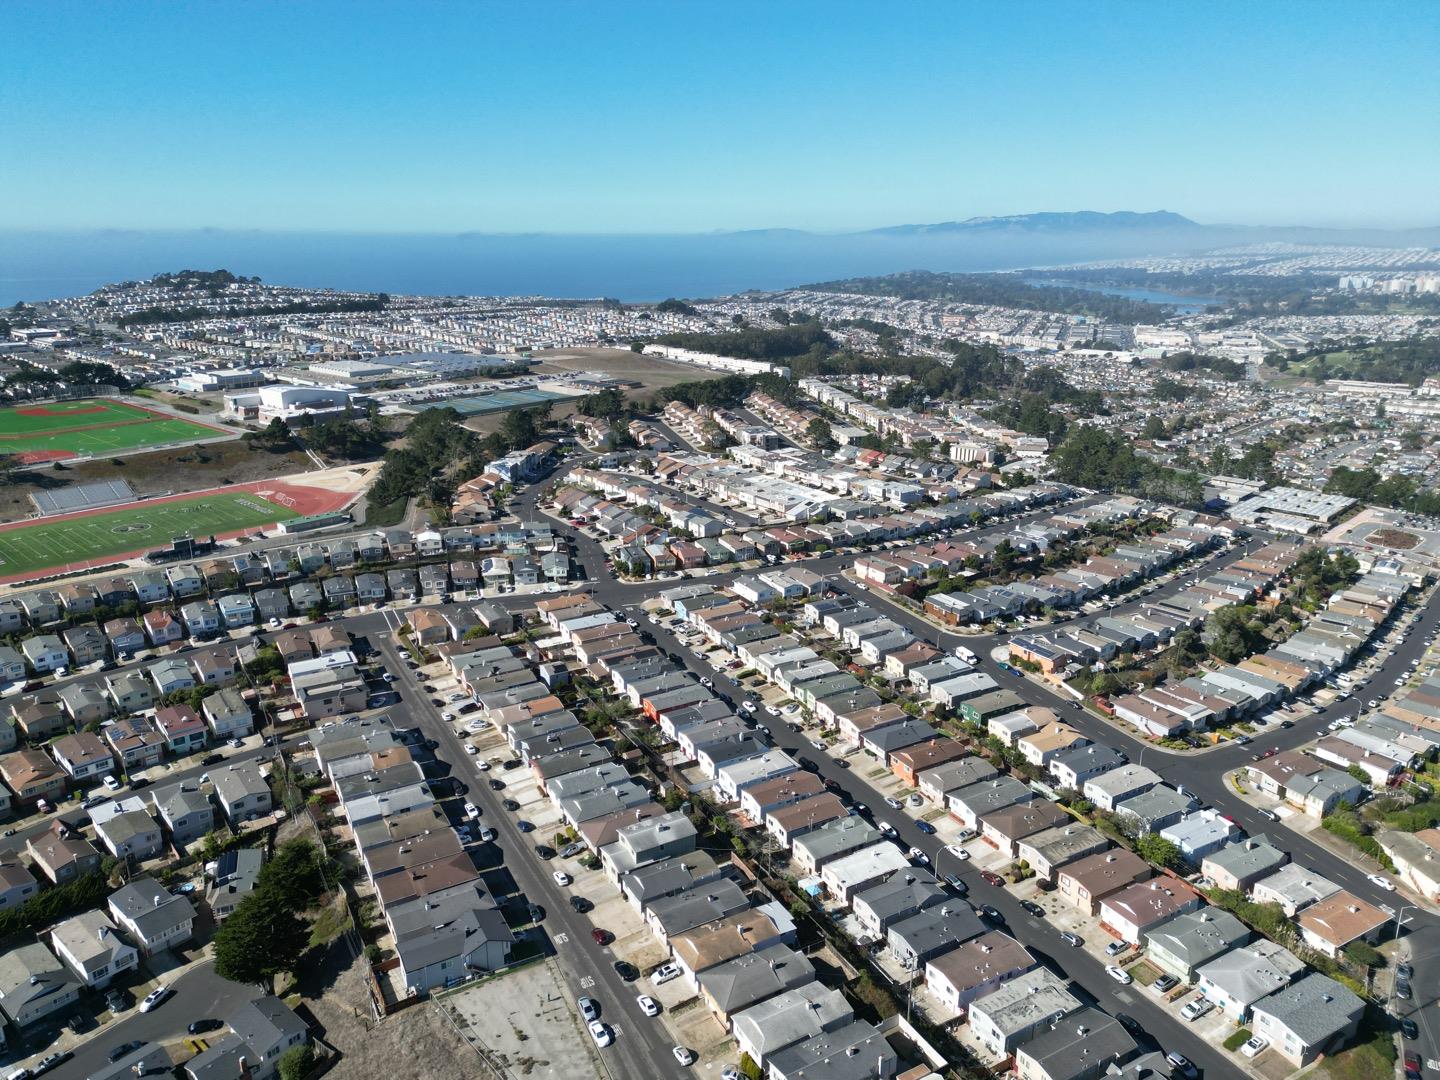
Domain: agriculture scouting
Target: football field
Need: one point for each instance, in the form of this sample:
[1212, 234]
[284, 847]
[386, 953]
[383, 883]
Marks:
[90, 537]
[92, 427]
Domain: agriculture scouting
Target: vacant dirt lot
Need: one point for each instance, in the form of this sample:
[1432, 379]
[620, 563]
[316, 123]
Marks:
[177, 470]
[416, 1044]
[652, 372]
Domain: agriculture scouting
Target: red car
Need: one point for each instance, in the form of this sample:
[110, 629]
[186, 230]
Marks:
[991, 878]
[602, 937]
[1412, 1065]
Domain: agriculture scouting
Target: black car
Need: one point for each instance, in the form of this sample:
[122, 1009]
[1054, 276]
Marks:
[991, 914]
[212, 759]
[524, 826]
[125, 1049]
[537, 913]
[545, 851]
[1403, 970]
[1128, 1022]
[497, 785]
[513, 763]
[808, 765]
[1402, 989]
[580, 904]
[842, 763]
[198, 1026]
[139, 782]
[510, 804]
[1408, 1028]
[627, 971]
[925, 827]
[1033, 908]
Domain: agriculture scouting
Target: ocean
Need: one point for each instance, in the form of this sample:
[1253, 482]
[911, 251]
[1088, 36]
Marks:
[40, 265]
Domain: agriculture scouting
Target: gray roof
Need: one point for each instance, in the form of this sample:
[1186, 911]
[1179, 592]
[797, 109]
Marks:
[739, 983]
[694, 907]
[839, 836]
[903, 893]
[937, 929]
[1080, 1043]
[266, 1022]
[788, 1018]
[1254, 855]
[1314, 1008]
[30, 972]
[1250, 972]
[848, 1053]
[899, 736]
[235, 782]
[150, 907]
[1199, 936]
[1156, 804]
[669, 876]
[456, 936]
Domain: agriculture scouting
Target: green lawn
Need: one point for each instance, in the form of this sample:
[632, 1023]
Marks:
[91, 427]
[147, 525]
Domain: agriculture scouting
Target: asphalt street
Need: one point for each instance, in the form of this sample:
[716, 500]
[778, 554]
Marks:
[199, 993]
[640, 1048]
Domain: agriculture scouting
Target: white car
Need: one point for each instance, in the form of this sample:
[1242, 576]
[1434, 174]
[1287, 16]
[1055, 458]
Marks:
[1119, 974]
[561, 878]
[648, 1005]
[471, 749]
[110, 782]
[1382, 881]
[155, 998]
[664, 973]
[893, 803]
[916, 855]
[472, 811]
[600, 1033]
[483, 766]
[959, 852]
[1254, 1045]
[1197, 1008]
[487, 836]
[683, 1054]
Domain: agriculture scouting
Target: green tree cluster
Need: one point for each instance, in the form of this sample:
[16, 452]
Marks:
[1094, 458]
[265, 934]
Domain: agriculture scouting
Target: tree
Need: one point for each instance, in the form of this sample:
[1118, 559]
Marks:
[295, 875]
[819, 434]
[1154, 848]
[296, 1063]
[262, 938]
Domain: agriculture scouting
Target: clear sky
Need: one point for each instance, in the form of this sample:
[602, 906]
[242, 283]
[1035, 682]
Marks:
[690, 116]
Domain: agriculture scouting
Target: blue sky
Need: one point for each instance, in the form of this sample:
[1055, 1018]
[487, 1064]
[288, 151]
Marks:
[662, 117]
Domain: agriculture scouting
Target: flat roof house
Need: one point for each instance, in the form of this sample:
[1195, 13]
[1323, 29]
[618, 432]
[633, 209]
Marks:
[849, 874]
[1014, 1012]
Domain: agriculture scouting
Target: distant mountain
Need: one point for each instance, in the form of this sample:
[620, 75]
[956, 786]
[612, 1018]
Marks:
[1078, 221]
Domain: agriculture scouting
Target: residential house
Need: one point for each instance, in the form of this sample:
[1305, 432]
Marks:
[1184, 944]
[93, 949]
[1309, 1017]
[1082, 1046]
[153, 917]
[1330, 924]
[31, 775]
[1236, 980]
[228, 714]
[1132, 912]
[1014, 1012]
[83, 755]
[62, 853]
[241, 791]
[34, 984]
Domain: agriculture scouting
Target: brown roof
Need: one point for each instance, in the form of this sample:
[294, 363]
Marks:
[1341, 918]
[714, 943]
[796, 785]
[602, 831]
[929, 754]
[877, 715]
[1150, 901]
[1286, 766]
[1025, 819]
[983, 958]
[816, 810]
[414, 851]
[424, 879]
[1106, 872]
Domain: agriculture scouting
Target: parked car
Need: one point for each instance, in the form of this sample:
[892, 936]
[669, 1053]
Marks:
[664, 973]
[580, 905]
[1254, 1045]
[1075, 941]
[1115, 948]
[156, 998]
[1195, 1009]
[198, 1027]
[648, 1005]
[601, 937]
[683, 1054]
[1164, 984]
[589, 1008]
[1179, 1063]
[125, 1049]
[1119, 974]
[627, 971]
[991, 878]
[600, 1033]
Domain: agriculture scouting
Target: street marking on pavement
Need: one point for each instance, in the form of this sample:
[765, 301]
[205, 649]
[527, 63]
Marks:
[561, 939]
[587, 982]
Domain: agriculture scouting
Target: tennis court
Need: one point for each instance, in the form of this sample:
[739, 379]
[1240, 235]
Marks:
[91, 427]
[91, 537]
